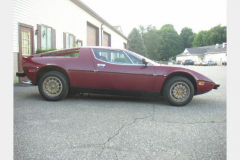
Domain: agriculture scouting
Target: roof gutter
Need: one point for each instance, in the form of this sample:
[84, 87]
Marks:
[95, 15]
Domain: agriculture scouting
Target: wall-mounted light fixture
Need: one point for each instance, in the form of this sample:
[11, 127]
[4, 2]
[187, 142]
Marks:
[43, 33]
[79, 43]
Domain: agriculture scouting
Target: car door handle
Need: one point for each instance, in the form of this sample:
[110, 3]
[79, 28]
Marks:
[101, 65]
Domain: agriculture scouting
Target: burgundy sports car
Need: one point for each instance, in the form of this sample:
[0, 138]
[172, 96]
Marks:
[111, 71]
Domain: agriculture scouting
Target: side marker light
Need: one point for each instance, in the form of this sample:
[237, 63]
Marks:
[31, 70]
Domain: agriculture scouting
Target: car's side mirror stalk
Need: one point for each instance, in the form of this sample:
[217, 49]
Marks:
[144, 62]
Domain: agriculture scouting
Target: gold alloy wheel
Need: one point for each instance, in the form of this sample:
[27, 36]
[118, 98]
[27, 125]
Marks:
[52, 86]
[179, 91]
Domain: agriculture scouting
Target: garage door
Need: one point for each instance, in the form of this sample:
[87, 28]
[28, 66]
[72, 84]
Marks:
[92, 35]
[106, 39]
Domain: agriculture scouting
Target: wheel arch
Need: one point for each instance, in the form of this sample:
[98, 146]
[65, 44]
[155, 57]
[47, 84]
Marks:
[183, 74]
[46, 69]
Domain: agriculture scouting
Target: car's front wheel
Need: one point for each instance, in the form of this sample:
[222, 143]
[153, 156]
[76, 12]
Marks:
[178, 91]
[53, 86]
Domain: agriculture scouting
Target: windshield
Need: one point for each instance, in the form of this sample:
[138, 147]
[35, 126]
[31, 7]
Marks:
[141, 57]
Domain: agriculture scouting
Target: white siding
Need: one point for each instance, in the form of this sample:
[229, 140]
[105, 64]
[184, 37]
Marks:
[15, 66]
[62, 15]
[217, 58]
[188, 57]
[116, 40]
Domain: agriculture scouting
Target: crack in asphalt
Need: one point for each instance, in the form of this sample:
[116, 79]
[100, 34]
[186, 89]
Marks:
[209, 122]
[135, 120]
[152, 114]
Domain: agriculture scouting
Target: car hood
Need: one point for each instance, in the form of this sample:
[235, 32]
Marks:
[165, 70]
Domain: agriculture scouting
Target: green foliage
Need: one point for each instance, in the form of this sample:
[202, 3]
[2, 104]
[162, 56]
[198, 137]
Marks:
[190, 41]
[161, 44]
[75, 45]
[166, 42]
[218, 34]
[135, 43]
[44, 50]
[201, 39]
[187, 37]
[170, 42]
[213, 36]
[151, 41]
[167, 26]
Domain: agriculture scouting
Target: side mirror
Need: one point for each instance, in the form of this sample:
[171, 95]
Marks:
[144, 62]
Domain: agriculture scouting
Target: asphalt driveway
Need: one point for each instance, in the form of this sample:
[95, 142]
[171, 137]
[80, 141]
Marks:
[114, 127]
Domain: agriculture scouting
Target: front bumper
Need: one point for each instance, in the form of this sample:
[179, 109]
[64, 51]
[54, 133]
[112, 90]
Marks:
[216, 86]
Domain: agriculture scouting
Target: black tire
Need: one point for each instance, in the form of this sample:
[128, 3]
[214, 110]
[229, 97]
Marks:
[178, 91]
[53, 86]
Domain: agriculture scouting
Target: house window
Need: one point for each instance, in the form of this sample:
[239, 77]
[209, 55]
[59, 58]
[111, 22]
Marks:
[69, 40]
[46, 37]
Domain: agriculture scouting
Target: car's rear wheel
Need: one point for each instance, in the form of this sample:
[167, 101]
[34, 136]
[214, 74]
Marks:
[178, 91]
[53, 86]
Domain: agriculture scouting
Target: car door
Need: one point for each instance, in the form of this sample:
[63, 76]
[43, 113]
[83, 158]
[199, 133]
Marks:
[118, 71]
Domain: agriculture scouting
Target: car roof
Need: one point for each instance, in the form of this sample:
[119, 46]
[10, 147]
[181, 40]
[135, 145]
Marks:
[101, 47]
[76, 48]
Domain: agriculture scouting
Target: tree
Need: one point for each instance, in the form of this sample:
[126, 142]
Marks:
[213, 36]
[170, 43]
[141, 30]
[150, 39]
[187, 36]
[201, 39]
[190, 40]
[167, 26]
[135, 43]
[218, 34]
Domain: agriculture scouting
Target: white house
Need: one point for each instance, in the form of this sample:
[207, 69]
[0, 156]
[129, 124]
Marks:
[46, 24]
[216, 53]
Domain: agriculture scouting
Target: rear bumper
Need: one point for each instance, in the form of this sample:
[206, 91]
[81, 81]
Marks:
[20, 74]
[216, 86]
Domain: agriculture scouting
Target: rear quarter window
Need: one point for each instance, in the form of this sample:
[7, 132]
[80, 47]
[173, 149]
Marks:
[71, 53]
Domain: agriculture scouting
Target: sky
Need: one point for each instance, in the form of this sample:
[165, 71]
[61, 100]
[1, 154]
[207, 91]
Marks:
[195, 14]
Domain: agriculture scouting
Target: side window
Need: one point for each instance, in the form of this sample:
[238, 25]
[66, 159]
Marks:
[120, 57]
[112, 56]
[134, 59]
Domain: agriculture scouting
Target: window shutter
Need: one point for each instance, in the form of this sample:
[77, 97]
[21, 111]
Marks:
[39, 36]
[53, 38]
[64, 40]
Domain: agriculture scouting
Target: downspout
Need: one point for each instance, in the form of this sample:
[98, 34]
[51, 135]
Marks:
[101, 33]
